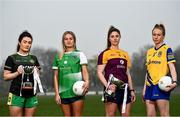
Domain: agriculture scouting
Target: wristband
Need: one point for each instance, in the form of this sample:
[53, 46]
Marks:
[174, 82]
[131, 90]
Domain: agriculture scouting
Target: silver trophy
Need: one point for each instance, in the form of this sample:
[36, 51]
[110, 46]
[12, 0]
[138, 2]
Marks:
[28, 70]
[113, 80]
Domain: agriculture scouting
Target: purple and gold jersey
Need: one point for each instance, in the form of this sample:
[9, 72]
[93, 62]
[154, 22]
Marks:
[116, 61]
[157, 61]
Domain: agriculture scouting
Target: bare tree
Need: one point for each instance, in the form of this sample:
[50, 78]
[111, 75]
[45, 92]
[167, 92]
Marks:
[177, 57]
[45, 58]
[92, 67]
[138, 69]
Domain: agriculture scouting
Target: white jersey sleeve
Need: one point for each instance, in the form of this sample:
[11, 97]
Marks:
[83, 58]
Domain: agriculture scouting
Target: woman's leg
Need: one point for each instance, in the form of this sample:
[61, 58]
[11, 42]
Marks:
[163, 106]
[29, 111]
[110, 109]
[128, 110]
[78, 107]
[66, 109]
[15, 111]
[150, 108]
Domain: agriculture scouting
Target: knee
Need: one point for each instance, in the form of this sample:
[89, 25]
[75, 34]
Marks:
[125, 114]
[110, 114]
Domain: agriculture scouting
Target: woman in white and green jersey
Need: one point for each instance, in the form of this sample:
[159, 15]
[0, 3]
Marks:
[19, 69]
[70, 66]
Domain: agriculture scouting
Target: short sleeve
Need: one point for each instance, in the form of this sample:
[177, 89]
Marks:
[128, 61]
[55, 62]
[9, 64]
[37, 63]
[102, 58]
[83, 58]
[170, 56]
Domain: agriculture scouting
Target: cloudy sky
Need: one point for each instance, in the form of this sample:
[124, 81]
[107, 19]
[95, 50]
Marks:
[89, 20]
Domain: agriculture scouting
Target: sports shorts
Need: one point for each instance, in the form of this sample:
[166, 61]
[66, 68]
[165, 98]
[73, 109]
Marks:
[14, 100]
[154, 93]
[71, 100]
[119, 96]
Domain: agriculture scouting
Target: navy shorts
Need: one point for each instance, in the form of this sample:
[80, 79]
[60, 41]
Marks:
[71, 100]
[119, 96]
[154, 93]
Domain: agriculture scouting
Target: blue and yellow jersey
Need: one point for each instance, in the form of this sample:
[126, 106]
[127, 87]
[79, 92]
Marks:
[157, 61]
[116, 62]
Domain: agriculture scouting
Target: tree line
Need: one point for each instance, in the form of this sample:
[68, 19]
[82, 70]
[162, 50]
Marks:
[46, 56]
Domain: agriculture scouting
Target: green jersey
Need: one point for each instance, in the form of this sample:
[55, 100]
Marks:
[69, 71]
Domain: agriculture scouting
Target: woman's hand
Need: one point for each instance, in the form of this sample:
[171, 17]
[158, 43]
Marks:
[133, 96]
[170, 87]
[112, 87]
[57, 99]
[20, 69]
[142, 96]
[86, 87]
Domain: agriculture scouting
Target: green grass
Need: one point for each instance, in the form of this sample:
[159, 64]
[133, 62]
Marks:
[93, 106]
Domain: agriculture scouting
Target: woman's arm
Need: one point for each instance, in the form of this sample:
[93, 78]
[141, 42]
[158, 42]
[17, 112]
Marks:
[100, 70]
[85, 75]
[8, 75]
[56, 87]
[144, 88]
[173, 75]
[131, 86]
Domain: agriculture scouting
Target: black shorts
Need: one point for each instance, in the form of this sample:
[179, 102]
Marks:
[119, 96]
[71, 100]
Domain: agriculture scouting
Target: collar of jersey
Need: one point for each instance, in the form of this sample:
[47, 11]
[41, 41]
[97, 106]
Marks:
[70, 52]
[22, 54]
[159, 47]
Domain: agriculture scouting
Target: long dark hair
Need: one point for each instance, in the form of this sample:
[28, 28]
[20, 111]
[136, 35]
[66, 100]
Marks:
[21, 36]
[111, 29]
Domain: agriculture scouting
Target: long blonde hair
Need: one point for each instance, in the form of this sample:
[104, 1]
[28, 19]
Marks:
[63, 45]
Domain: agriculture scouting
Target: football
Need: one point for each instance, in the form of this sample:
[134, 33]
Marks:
[78, 88]
[164, 81]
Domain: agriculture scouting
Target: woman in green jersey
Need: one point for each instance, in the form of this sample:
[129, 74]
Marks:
[20, 68]
[70, 66]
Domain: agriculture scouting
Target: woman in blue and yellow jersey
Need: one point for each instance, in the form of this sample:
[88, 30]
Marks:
[159, 61]
[114, 63]
[70, 66]
[20, 69]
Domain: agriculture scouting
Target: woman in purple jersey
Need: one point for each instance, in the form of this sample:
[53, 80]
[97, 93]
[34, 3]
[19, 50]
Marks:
[114, 73]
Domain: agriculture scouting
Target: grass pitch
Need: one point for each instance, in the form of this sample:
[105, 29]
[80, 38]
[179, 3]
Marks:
[93, 106]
